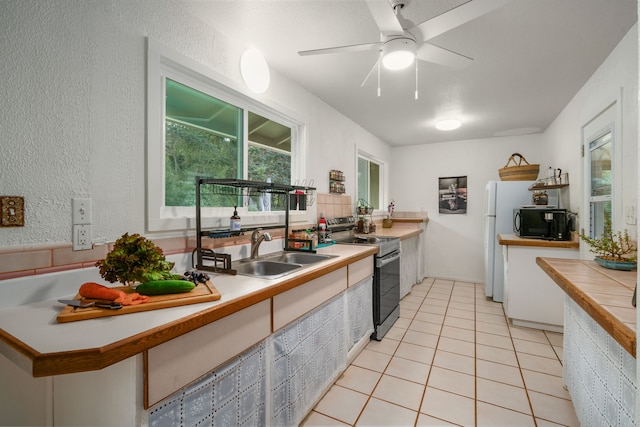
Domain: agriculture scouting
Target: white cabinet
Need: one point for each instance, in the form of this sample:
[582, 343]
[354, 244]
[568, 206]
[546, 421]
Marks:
[409, 264]
[178, 362]
[298, 301]
[532, 299]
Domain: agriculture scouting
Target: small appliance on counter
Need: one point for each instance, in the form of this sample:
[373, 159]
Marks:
[541, 223]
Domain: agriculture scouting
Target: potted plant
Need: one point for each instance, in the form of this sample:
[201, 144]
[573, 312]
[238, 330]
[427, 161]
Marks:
[613, 250]
[388, 222]
[134, 259]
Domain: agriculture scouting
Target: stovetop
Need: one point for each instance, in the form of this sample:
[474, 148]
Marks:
[342, 230]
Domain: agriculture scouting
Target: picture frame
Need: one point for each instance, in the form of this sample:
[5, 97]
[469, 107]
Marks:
[452, 195]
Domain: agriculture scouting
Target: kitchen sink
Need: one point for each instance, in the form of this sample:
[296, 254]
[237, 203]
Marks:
[266, 269]
[273, 266]
[299, 257]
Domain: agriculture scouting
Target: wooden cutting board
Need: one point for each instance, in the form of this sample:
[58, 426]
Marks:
[202, 293]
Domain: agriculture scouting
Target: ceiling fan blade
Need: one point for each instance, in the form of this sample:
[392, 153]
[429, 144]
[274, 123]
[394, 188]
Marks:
[457, 16]
[437, 55]
[342, 49]
[385, 17]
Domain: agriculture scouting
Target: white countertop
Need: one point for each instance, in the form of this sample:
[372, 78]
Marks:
[33, 326]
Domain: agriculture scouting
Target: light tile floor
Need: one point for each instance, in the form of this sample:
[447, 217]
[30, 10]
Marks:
[451, 359]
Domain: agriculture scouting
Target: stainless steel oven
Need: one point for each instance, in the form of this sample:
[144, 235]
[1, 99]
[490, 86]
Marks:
[386, 276]
[386, 293]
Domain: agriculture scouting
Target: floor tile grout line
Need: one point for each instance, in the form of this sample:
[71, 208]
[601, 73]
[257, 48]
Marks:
[424, 392]
[475, 354]
[524, 383]
[385, 369]
[451, 294]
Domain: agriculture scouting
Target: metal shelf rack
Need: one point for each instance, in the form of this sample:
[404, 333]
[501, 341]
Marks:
[237, 188]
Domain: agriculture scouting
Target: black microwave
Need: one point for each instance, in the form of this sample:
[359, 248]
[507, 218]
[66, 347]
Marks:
[541, 223]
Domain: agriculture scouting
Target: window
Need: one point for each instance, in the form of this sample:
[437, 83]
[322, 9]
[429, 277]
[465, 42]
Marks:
[198, 126]
[369, 181]
[202, 138]
[269, 158]
[601, 182]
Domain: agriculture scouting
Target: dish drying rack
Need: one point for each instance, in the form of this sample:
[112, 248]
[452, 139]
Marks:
[233, 190]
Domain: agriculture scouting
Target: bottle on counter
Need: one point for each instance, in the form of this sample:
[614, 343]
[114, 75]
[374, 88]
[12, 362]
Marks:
[234, 222]
[322, 224]
[322, 229]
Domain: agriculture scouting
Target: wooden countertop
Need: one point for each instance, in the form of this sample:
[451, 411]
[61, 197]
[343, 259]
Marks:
[410, 220]
[402, 233]
[33, 340]
[513, 240]
[603, 293]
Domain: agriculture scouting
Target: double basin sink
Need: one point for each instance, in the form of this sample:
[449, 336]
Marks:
[277, 265]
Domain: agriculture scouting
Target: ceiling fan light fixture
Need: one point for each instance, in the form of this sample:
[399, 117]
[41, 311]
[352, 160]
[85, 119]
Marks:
[448, 124]
[399, 53]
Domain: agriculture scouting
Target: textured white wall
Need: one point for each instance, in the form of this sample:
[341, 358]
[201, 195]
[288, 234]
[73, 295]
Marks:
[454, 242]
[73, 120]
[615, 80]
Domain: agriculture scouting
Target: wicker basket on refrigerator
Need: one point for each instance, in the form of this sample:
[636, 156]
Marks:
[518, 171]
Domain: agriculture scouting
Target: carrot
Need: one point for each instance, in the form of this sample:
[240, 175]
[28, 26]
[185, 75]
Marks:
[97, 291]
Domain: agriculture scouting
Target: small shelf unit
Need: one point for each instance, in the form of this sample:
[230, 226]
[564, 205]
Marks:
[241, 189]
[336, 182]
[554, 183]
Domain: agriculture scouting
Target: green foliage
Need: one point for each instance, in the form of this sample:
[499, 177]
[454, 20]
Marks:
[191, 152]
[135, 259]
[264, 164]
[611, 245]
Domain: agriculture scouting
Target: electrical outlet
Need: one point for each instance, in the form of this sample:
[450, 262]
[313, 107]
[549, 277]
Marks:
[630, 214]
[80, 211]
[82, 237]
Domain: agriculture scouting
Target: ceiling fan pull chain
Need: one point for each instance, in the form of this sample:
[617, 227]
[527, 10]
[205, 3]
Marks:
[379, 77]
[416, 79]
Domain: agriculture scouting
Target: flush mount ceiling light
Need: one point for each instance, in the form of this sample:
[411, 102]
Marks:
[448, 124]
[255, 71]
[398, 53]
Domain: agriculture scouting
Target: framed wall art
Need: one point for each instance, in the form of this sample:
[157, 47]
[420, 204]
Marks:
[452, 195]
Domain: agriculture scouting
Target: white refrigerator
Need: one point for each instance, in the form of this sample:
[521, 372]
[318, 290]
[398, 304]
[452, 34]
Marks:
[500, 199]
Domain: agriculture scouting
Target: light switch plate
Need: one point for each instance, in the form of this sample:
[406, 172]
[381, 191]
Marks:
[81, 211]
[11, 211]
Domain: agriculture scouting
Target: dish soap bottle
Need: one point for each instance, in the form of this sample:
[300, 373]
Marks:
[234, 222]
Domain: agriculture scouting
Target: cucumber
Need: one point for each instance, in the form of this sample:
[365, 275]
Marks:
[162, 287]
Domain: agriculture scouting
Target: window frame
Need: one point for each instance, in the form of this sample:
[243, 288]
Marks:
[382, 180]
[600, 199]
[164, 63]
[608, 118]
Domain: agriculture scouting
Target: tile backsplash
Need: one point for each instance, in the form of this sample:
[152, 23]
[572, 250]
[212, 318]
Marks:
[334, 205]
[35, 260]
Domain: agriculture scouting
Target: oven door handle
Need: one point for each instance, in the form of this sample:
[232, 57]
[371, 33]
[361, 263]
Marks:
[381, 262]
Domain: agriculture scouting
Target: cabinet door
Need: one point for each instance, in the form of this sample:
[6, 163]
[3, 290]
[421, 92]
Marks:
[176, 363]
[296, 302]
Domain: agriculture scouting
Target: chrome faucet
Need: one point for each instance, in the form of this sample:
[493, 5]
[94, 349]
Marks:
[255, 241]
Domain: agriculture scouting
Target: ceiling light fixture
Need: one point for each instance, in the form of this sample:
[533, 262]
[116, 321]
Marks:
[398, 53]
[448, 124]
[255, 71]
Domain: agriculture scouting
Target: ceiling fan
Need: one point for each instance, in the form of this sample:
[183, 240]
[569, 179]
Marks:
[399, 47]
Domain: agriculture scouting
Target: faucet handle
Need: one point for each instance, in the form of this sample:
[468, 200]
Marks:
[254, 235]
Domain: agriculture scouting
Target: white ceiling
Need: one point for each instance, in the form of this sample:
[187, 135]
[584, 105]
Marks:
[530, 58]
